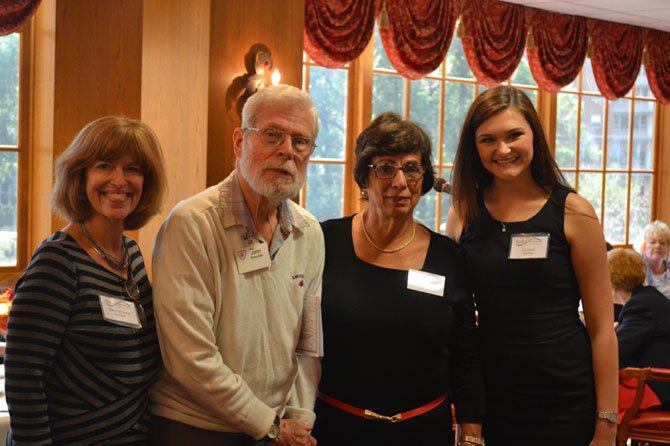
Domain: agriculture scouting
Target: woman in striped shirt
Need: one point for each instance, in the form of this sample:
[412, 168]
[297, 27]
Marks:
[81, 342]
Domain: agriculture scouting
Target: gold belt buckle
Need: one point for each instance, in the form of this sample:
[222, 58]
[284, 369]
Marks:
[375, 416]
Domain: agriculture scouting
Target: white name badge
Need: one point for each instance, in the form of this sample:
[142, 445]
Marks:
[529, 246]
[252, 258]
[119, 311]
[425, 282]
[310, 342]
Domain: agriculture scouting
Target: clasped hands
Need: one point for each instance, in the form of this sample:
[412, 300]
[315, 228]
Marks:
[294, 433]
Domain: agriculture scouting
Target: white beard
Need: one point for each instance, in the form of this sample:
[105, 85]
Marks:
[274, 191]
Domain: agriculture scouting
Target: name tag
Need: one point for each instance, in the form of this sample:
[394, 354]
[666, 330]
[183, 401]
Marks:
[310, 342]
[119, 311]
[252, 258]
[529, 246]
[425, 282]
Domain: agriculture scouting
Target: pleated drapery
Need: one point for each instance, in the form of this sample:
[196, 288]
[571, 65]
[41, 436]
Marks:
[14, 14]
[337, 31]
[617, 55]
[658, 64]
[494, 39]
[417, 34]
[556, 49]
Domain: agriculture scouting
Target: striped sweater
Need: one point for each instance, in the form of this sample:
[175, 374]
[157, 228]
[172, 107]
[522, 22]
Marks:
[73, 378]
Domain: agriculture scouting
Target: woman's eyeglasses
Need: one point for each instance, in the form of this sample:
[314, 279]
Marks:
[303, 145]
[387, 170]
[133, 293]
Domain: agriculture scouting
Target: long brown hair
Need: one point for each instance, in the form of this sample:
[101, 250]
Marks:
[469, 174]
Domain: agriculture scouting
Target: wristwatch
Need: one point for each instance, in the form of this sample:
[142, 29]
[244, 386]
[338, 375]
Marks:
[609, 416]
[274, 430]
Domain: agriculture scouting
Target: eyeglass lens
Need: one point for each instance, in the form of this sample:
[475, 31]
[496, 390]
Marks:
[276, 137]
[389, 170]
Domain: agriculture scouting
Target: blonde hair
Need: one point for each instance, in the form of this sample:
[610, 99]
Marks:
[107, 139]
[656, 229]
[627, 269]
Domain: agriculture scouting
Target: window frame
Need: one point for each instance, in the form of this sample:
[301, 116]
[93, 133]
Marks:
[22, 149]
[604, 170]
[359, 109]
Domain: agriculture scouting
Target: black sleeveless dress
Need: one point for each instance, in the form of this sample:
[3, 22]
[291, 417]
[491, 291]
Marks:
[390, 349]
[538, 375]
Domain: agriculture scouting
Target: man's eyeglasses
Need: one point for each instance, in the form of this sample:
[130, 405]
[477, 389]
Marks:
[133, 293]
[303, 145]
[387, 170]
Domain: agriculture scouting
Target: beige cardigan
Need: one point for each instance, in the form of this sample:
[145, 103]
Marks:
[228, 340]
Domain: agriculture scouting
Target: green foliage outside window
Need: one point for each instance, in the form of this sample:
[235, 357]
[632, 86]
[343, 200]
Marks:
[9, 112]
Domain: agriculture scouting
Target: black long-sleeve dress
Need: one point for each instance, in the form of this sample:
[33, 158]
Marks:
[390, 349]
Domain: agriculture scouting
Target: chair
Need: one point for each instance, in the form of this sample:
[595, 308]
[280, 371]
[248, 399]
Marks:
[650, 425]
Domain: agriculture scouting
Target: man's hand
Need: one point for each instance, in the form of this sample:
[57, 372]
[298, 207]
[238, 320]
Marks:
[294, 433]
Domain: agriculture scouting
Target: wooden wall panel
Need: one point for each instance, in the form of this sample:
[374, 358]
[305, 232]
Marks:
[236, 26]
[98, 56]
[175, 57]
[42, 130]
[662, 202]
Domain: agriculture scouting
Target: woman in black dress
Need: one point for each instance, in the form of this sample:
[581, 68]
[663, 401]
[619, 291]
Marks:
[534, 248]
[398, 315]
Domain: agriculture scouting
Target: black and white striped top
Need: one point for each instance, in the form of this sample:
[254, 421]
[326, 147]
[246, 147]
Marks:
[73, 378]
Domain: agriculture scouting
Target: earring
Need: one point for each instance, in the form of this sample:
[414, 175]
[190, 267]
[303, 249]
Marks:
[364, 193]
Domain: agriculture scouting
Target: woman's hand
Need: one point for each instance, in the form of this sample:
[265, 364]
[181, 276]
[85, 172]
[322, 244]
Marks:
[605, 434]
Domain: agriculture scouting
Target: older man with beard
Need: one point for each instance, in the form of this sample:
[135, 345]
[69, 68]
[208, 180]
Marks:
[237, 289]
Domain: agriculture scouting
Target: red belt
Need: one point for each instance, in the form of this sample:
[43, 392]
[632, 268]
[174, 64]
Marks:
[370, 415]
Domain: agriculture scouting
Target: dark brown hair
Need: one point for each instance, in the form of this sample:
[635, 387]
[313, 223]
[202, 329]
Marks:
[389, 135]
[469, 173]
[107, 139]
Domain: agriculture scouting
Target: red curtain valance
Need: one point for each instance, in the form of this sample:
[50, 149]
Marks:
[494, 40]
[658, 64]
[617, 55]
[418, 34]
[337, 32]
[558, 49]
[15, 13]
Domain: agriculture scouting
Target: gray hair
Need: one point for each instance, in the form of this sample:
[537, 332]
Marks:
[286, 95]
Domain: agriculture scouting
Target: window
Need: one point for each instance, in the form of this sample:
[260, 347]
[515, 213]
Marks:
[324, 192]
[9, 149]
[12, 214]
[605, 148]
[606, 151]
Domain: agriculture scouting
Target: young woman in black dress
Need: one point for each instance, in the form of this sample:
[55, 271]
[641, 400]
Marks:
[534, 248]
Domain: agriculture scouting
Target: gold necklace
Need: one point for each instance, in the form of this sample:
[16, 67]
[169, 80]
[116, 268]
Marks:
[389, 251]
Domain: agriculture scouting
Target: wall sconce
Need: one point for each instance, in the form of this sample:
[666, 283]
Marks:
[260, 74]
[264, 75]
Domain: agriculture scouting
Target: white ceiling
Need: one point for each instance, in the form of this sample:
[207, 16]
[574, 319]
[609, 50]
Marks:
[648, 13]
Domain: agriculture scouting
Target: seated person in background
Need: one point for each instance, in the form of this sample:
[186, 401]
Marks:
[643, 331]
[654, 250]
[617, 300]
